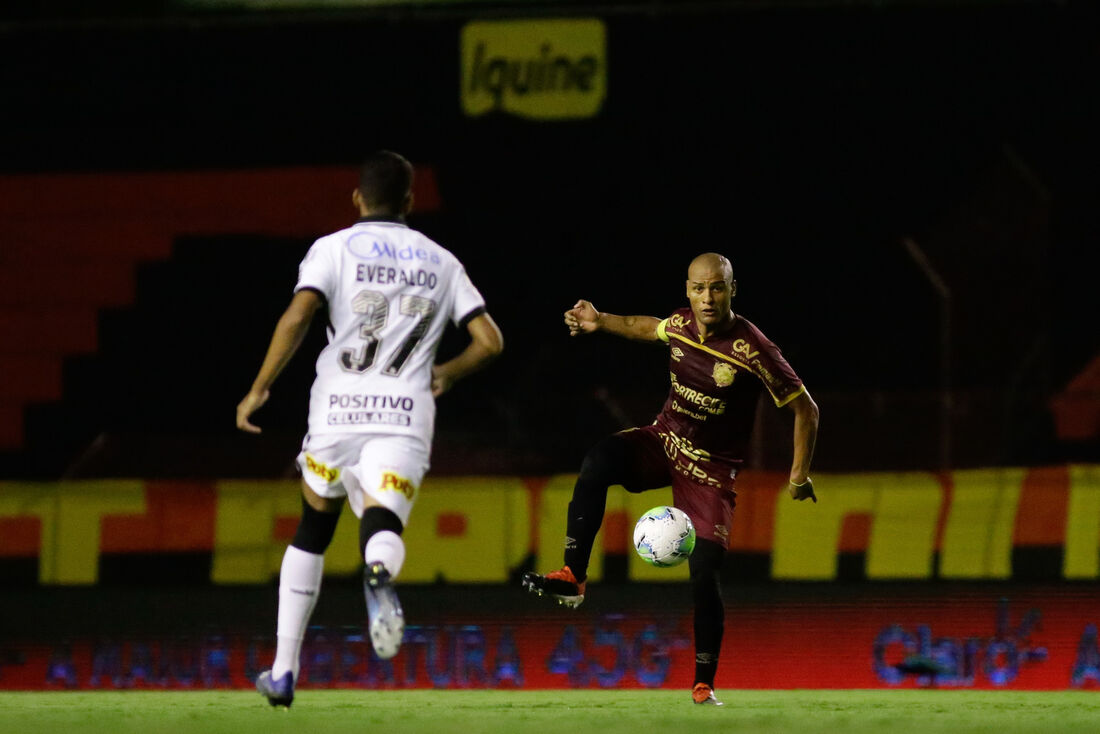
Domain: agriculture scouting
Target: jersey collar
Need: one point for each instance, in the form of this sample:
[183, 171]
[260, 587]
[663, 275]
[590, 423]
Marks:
[718, 335]
[391, 219]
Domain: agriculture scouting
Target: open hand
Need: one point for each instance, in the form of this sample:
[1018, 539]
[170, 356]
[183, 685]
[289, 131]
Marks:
[251, 403]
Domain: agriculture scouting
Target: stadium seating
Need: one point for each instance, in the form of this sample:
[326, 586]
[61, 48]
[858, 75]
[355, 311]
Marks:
[71, 246]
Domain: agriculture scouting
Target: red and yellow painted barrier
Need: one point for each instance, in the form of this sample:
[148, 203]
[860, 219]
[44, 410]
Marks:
[908, 526]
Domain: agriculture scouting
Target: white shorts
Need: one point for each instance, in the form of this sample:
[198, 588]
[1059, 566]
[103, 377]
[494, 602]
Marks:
[388, 469]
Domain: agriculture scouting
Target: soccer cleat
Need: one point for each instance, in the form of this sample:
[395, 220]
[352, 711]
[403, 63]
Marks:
[704, 694]
[561, 585]
[278, 692]
[386, 620]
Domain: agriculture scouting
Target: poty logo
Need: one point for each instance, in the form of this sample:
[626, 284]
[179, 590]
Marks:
[541, 69]
[397, 483]
[329, 474]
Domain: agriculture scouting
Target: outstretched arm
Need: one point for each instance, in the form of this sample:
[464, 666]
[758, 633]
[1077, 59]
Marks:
[805, 435]
[288, 336]
[583, 318]
[486, 344]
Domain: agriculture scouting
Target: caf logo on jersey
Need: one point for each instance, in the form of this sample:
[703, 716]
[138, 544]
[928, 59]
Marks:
[723, 374]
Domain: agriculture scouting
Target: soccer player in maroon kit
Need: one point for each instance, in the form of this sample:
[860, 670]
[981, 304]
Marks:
[718, 362]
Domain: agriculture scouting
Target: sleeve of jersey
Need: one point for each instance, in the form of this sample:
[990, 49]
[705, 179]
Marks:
[662, 334]
[772, 369]
[317, 272]
[468, 301]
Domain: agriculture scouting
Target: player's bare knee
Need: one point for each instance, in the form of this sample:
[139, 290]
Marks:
[319, 503]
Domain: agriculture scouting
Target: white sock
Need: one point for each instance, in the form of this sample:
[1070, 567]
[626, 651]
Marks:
[299, 586]
[386, 546]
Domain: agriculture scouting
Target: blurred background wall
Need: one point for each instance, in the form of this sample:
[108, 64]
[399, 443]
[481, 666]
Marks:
[165, 167]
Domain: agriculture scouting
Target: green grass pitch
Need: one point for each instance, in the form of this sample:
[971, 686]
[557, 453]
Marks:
[547, 712]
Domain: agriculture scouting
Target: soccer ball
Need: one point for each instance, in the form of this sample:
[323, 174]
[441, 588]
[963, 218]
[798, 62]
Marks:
[664, 536]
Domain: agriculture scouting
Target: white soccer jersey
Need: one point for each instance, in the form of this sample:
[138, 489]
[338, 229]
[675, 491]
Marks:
[390, 293]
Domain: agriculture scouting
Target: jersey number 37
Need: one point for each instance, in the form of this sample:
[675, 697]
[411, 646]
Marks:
[375, 312]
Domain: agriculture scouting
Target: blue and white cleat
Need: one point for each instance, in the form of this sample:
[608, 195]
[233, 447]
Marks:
[386, 620]
[278, 692]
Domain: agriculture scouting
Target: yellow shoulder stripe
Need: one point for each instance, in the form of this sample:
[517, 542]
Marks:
[780, 403]
[708, 350]
[661, 333]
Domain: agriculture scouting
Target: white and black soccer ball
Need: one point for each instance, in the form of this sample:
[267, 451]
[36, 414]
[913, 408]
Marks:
[664, 536]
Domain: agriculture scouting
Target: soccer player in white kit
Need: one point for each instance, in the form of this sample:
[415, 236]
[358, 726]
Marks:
[389, 293]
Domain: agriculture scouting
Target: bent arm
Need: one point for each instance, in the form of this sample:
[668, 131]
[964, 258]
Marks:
[806, 417]
[486, 344]
[289, 333]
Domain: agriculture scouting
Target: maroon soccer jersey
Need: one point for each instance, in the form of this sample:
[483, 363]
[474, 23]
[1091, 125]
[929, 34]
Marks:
[716, 382]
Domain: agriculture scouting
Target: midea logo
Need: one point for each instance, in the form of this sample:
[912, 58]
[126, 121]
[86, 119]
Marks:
[541, 69]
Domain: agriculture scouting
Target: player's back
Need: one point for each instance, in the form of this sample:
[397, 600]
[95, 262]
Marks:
[390, 292]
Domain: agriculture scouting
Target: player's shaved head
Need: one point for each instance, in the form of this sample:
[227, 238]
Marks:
[385, 183]
[710, 288]
[705, 266]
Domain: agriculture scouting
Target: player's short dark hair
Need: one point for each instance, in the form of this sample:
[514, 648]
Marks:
[385, 182]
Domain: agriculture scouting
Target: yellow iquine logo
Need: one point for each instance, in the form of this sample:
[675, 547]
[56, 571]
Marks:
[541, 69]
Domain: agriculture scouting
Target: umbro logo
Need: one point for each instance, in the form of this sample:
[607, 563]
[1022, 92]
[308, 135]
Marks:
[677, 353]
[570, 543]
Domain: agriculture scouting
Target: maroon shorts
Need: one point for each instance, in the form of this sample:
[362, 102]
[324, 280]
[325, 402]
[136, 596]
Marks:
[652, 458]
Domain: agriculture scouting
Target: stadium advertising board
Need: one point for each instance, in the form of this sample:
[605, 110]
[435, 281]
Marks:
[991, 524]
[538, 69]
[1039, 639]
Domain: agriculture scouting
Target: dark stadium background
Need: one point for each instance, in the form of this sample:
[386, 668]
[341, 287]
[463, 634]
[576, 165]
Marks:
[803, 140]
[806, 140]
